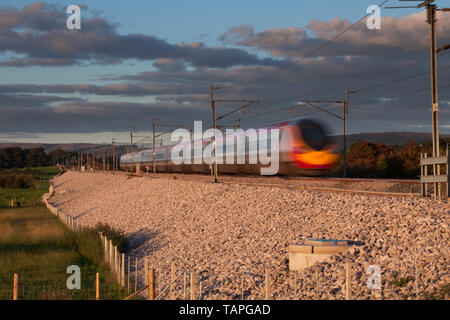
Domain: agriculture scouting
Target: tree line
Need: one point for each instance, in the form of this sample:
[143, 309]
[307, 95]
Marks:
[364, 159]
[370, 160]
[15, 157]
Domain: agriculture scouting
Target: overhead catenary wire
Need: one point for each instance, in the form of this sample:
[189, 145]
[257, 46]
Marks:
[316, 49]
[282, 119]
[358, 90]
[366, 79]
[410, 93]
[350, 84]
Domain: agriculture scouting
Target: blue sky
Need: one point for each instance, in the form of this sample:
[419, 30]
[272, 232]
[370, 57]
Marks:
[180, 20]
[268, 33]
[189, 21]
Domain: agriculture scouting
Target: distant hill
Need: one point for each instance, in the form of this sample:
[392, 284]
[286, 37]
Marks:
[388, 138]
[78, 147]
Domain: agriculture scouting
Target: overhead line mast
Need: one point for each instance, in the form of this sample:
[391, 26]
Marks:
[432, 21]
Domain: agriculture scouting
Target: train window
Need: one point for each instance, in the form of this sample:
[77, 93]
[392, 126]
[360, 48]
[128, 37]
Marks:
[313, 134]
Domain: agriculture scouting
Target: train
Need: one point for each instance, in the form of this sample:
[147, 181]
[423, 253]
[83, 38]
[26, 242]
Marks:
[305, 148]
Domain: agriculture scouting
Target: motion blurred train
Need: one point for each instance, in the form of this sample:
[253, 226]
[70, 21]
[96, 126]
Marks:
[305, 148]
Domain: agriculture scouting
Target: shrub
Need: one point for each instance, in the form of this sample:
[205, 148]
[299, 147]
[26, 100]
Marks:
[118, 237]
[400, 282]
[17, 181]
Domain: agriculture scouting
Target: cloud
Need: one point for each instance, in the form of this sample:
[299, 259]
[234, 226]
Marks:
[182, 96]
[39, 33]
[398, 36]
[79, 116]
[179, 93]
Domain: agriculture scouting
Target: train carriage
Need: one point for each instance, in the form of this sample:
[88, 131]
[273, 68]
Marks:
[305, 148]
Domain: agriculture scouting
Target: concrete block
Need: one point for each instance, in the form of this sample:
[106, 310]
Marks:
[300, 261]
[299, 248]
[302, 256]
[330, 250]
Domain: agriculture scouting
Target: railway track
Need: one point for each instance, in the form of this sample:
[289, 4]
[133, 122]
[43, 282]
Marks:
[377, 187]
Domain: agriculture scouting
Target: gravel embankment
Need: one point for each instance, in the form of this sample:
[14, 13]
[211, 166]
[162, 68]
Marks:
[378, 185]
[227, 231]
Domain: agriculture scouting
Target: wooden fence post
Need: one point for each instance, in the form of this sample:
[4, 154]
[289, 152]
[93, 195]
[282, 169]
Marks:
[145, 271]
[135, 275]
[16, 287]
[184, 285]
[151, 284]
[242, 286]
[118, 265]
[128, 274]
[348, 281]
[106, 249]
[122, 280]
[111, 255]
[447, 168]
[317, 286]
[194, 280]
[416, 279]
[116, 258]
[173, 272]
[268, 291]
[97, 286]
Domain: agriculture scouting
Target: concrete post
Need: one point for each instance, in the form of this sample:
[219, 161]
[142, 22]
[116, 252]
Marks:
[348, 281]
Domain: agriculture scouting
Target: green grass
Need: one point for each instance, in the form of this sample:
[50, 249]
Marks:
[438, 294]
[34, 244]
[400, 282]
[42, 173]
[38, 247]
[30, 195]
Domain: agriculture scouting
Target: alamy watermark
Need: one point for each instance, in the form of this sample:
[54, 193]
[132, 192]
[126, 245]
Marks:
[73, 22]
[236, 146]
[73, 281]
[374, 20]
[374, 280]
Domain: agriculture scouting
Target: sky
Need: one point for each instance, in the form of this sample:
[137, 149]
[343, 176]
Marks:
[136, 60]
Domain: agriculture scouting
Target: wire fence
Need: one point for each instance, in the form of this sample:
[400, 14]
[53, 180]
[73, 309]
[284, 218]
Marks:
[167, 282]
[57, 290]
[343, 279]
[139, 279]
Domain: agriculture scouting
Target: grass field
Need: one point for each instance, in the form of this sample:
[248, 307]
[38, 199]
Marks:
[30, 195]
[34, 244]
[38, 247]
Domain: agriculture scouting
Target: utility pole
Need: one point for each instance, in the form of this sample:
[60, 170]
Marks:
[154, 146]
[431, 20]
[131, 150]
[114, 153]
[343, 118]
[245, 103]
[344, 168]
[213, 107]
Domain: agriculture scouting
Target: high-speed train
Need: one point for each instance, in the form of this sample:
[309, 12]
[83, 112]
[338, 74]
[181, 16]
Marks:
[305, 148]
